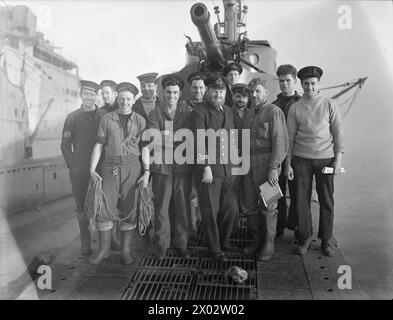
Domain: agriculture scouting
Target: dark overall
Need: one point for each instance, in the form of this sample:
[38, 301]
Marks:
[171, 181]
[218, 201]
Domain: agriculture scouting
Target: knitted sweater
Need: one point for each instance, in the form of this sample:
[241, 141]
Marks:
[315, 128]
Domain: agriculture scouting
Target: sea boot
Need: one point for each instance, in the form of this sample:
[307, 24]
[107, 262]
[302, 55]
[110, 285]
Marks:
[302, 248]
[115, 241]
[125, 244]
[105, 247]
[327, 249]
[254, 227]
[85, 237]
[270, 222]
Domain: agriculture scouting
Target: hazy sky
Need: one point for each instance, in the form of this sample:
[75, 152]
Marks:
[121, 39]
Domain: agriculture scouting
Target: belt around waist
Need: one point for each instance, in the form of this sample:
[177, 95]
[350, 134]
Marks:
[121, 160]
[254, 150]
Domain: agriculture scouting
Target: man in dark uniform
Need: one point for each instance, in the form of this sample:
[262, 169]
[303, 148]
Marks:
[108, 94]
[171, 181]
[268, 147]
[119, 134]
[214, 177]
[288, 96]
[241, 112]
[197, 91]
[197, 88]
[149, 100]
[232, 73]
[78, 138]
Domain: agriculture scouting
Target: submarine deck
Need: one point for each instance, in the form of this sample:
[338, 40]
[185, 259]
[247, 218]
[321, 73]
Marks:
[40, 237]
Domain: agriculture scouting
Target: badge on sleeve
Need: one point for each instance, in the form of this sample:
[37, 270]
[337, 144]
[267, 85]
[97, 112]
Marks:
[67, 134]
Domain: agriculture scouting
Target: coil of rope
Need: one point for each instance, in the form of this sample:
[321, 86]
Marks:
[96, 205]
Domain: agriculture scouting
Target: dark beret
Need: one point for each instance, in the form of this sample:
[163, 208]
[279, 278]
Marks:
[90, 85]
[148, 77]
[196, 76]
[232, 66]
[216, 81]
[310, 72]
[241, 88]
[127, 86]
[108, 83]
[172, 80]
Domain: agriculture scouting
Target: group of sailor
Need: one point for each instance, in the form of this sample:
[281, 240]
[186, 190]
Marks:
[285, 142]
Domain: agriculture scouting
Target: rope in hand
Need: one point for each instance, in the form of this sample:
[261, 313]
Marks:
[96, 205]
[145, 207]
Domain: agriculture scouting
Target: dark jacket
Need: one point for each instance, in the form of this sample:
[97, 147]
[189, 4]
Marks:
[156, 120]
[284, 104]
[139, 109]
[268, 136]
[248, 114]
[207, 117]
[109, 108]
[79, 136]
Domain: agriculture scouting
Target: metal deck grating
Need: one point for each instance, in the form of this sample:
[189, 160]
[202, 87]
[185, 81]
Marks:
[160, 284]
[216, 285]
[171, 260]
[245, 262]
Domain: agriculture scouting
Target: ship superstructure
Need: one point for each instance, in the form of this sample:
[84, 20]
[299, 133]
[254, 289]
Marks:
[38, 88]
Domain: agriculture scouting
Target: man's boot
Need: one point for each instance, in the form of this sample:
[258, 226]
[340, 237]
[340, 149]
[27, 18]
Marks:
[105, 247]
[327, 249]
[254, 228]
[302, 248]
[85, 237]
[115, 242]
[125, 244]
[270, 225]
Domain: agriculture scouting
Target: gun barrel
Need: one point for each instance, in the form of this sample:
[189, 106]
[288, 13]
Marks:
[200, 16]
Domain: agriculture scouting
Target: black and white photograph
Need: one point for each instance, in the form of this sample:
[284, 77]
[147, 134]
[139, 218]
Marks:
[215, 151]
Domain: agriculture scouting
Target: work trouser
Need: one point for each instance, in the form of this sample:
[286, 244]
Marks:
[219, 209]
[80, 181]
[286, 218]
[119, 184]
[258, 174]
[175, 187]
[304, 170]
[194, 206]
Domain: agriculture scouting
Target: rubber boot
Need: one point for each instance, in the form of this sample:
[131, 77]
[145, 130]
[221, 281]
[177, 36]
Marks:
[105, 247]
[254, 228]
[270, 225]
[115, 241]
[125, 244]
[85, 237]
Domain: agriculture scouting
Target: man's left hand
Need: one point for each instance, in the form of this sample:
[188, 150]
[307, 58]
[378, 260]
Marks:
[337, 167]
[145, 179]
[272, 176]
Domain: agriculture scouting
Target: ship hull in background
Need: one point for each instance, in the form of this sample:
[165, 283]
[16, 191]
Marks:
[38, 88]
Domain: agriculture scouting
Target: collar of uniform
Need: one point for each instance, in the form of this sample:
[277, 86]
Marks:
[315, 97]
[260, 107]
[115, 115]
[181, 107]
[296, 96]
